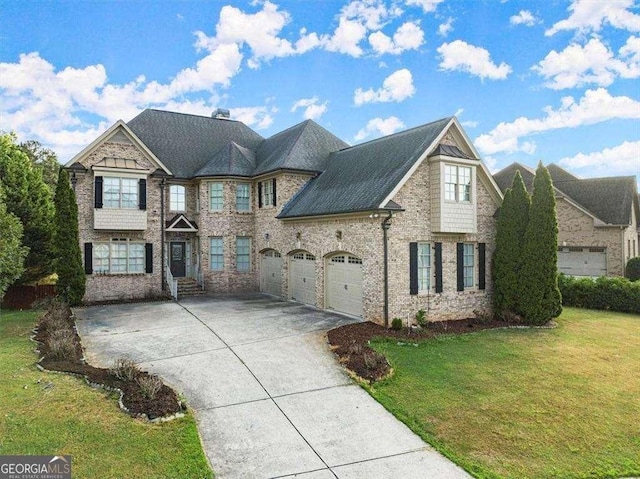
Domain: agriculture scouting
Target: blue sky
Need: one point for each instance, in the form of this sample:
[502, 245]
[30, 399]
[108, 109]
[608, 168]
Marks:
[557, 81]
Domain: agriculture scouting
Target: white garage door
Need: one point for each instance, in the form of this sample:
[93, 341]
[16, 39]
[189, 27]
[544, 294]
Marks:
[302, 277]
[271, 273]
[579, 261]
[344, 284]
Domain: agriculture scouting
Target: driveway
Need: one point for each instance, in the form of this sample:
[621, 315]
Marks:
[269, 397]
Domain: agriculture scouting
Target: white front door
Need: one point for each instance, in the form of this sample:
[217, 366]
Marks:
[302, 278]
[271, 273]
[344, 284]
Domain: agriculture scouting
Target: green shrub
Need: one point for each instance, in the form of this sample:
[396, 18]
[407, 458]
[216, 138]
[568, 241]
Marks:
[606, 293]
[396, 324]
[421, 317]
[632, 271]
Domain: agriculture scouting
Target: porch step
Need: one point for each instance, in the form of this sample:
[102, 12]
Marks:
[188, 287]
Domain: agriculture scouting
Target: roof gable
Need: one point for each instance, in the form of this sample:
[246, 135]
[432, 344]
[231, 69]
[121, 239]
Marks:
[180, 223]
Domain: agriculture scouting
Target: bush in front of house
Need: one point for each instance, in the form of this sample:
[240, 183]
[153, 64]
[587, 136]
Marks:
[632, 271]
[606, 293]
[396, 324]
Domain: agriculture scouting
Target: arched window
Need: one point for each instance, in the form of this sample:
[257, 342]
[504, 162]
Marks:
[177, 195]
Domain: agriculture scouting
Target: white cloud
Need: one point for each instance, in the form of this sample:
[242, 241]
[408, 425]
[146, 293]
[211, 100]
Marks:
[592, 15]
[258, 116]
[312, 108]
[469, 123]
[595, 106]
[409, 36]
[445, 28]
[623, 159]
[461, 56]
[346, 38]
[426, 5]
[373, 14]
[524, 17]
[380, 126]
[396, 87]
[594, 62]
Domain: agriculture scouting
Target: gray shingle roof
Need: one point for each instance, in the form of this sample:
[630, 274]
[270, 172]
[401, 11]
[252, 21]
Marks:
[359, 178]
[504, 177]
[450, 150]
[232, 159]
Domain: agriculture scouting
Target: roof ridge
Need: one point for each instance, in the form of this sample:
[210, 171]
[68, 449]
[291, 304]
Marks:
[192, 114]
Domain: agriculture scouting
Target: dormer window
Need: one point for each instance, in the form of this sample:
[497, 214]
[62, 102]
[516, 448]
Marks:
[457, 183]
[177, 197]
[120, 192]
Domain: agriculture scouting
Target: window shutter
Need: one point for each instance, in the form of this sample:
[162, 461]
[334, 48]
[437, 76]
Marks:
[413, 268]
[438, 267]
[481, 265]
[142, 194]
[98, 192]
[260, 194]
[88, 258]
[274, 191]
[460, 264]
[148, 257]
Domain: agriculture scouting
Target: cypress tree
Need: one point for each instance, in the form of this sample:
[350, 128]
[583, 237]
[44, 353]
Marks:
[71, 277]
[540, 299]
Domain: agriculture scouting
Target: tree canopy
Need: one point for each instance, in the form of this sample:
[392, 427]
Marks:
[12, 253]
[43, 159]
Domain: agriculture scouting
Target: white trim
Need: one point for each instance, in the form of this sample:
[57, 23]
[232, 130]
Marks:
[121, 172]
[184, 230]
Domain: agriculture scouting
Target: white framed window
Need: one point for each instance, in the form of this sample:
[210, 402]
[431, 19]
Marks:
[468, 265]
[267, 192]
[216, 254]
[457, 183]
[243, 197]
[120, 192]
[119, 256]
[197, 198]
[424, 266]
[216, 196]
[177, 197]
[243, 253]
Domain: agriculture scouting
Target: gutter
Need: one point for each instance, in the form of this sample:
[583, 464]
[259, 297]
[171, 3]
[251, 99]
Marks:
[386, 224]
[162, 227]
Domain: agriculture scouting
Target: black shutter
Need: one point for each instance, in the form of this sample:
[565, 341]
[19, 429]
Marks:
[142, 194]
[481, 265]
[98, 192]
[88, 258]
[460, 263]
[438, 267]
[273, 182]
[148, 257]
[259, 194]
[413, 268]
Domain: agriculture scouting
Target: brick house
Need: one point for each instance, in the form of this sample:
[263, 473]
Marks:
[598, 219]
[301, 215]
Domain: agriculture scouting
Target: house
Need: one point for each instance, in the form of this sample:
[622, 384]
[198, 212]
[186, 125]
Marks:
[598, 219]
[377, 230]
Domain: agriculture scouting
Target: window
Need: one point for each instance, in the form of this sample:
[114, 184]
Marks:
[243, 197]
[468, 265]
[197, 198]
[216, 254]
[120, 192]
[267, 192]
[215, 196]
[118, 257]
[177, 195]
[243, 253]
[457, 183]
[424, 266]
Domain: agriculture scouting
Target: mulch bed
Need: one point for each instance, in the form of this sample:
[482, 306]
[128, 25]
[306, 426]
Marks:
[351, 342]
[164, 404]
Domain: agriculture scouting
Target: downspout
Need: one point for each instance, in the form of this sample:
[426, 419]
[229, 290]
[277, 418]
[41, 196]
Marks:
[386, 224]
[162, 266]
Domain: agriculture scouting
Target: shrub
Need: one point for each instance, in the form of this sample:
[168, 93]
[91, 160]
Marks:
[607, 293]
[632, 271]
[61, 344]
[355, 348]
[482, 316]
[371, 359]
[149, 384]
[396, 324]
[125, 369]
[421, 317]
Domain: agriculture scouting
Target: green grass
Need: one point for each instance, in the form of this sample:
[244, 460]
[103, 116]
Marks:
[46, 413]
[552, 403]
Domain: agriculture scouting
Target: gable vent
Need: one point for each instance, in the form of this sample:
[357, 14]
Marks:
[221, 114]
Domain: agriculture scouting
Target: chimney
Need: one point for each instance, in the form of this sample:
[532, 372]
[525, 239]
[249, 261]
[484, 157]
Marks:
[221, 114]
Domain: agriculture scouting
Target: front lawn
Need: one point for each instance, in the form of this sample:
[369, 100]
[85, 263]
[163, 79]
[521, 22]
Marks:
[46, 413]
[543, 403]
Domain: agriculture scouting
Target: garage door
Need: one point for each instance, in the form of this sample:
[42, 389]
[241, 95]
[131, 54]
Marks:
[344, 284]
[271, 273]
[579, 261]
[302, 277]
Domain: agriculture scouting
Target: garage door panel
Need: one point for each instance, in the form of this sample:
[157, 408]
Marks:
[271, 273]
[302, 278]
[344, 284]
[579, 261]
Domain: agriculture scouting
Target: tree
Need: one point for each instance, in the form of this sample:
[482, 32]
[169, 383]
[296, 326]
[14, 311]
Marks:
[12, 253]
[507, 261]
[44, 160]
[71, 277]
[540, 298]
[28, 198]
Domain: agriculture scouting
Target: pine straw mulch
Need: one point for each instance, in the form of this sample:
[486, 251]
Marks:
[163, 405]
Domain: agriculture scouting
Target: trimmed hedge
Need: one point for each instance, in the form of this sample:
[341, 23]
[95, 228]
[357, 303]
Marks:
[609, 293]
[633, 269]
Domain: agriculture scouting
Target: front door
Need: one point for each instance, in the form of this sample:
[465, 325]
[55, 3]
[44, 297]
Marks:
[178, 259]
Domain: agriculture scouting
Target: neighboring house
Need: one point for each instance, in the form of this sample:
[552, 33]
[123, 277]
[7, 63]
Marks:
[300, 215]
[597, 219]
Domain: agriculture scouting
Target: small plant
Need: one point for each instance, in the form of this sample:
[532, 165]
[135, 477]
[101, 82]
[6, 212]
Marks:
[371, 359]
[355, 348]
[149, 384]
[482, 316]
[61, 344]
[396, 324]
[632, 270]
[421, 318]
[125, 369]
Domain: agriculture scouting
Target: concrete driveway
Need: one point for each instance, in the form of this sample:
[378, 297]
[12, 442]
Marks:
[269, 397]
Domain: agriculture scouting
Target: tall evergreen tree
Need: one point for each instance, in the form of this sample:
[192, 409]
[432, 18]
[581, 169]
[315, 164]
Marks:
[71, 277]
[507, 262]
[28, 197]
[43, 159]
[540, 298]
[12, 253]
